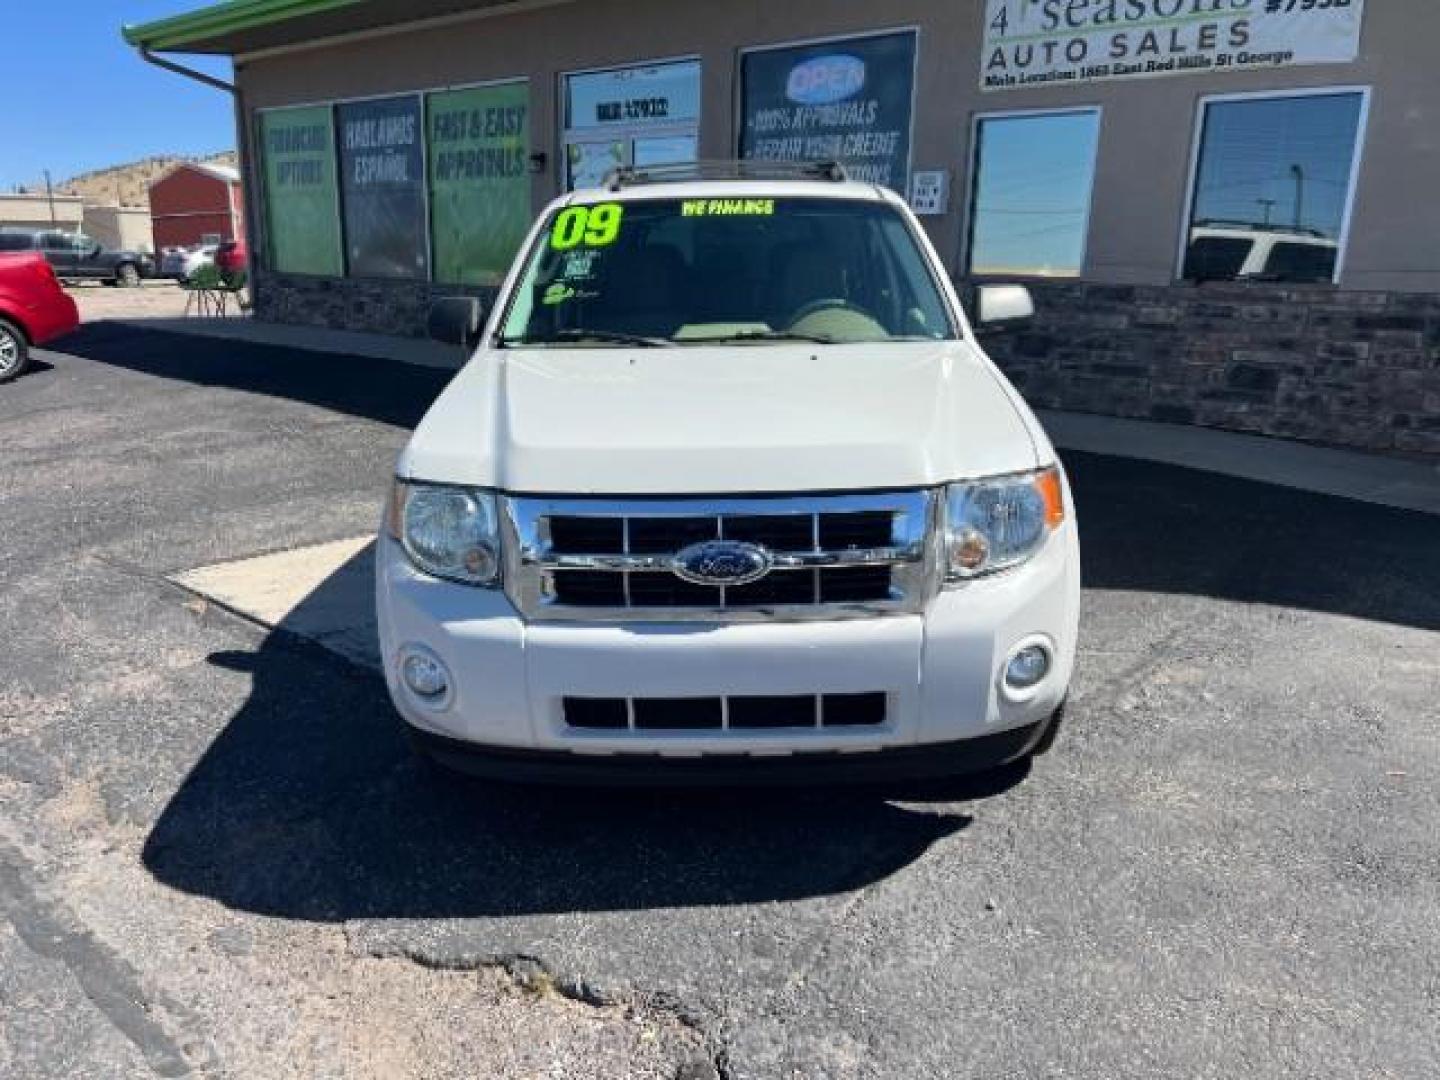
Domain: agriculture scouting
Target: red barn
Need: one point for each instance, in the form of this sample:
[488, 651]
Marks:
[194, 204]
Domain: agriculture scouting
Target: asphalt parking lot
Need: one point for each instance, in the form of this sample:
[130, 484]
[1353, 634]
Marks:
[218, 859]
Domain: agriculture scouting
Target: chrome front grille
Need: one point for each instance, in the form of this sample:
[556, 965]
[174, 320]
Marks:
[842, 556]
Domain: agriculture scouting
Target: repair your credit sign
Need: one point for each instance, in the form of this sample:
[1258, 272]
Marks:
[1043, 42]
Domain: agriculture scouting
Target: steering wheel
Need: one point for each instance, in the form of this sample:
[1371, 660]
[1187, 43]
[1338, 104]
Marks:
[827, 303]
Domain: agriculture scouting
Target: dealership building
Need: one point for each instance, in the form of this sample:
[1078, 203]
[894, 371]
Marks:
[1227, 209]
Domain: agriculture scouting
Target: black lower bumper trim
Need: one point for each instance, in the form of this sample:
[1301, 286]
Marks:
[923, 762]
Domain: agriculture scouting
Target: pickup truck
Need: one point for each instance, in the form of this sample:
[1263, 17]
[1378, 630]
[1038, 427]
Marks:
[77, 257]
[728, 493]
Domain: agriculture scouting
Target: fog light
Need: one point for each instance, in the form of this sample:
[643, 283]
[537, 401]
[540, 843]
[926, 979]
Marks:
[1027, 667]
[425, 675]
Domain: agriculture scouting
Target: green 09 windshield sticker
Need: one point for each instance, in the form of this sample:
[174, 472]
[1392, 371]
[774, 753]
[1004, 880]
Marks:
[593, 226]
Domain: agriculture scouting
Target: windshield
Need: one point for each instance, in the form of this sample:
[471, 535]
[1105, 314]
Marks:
[668, 272]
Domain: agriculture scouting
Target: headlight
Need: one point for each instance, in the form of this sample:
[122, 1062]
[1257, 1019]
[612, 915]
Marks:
[448, 532]
[995, 524]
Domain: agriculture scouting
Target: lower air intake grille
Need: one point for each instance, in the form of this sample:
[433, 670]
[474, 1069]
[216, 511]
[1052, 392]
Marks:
[739, 713]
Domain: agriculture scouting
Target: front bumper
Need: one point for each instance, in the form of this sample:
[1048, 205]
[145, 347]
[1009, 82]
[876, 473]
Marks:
[941, 671]
[54, 317]
[929, 761]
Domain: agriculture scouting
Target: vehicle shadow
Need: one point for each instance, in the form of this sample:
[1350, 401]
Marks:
[1149, 527]
[380, 390]
[36, 366]
[310, 805]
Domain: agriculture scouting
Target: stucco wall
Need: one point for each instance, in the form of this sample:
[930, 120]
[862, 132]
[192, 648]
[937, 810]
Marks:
[1146, 134]
[34, 211]
[126, 228]
[1358, 365]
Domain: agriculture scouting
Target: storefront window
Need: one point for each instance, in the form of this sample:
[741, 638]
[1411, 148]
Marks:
[638, 115]
[302, 205]
[1030, 207]
[478, 146]
[382, 188]
[849, 101]
[1273, 185]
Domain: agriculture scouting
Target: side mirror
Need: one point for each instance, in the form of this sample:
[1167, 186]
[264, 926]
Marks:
[997, 305]
[455, 320]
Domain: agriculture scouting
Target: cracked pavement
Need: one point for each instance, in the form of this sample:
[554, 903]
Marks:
[217, 857]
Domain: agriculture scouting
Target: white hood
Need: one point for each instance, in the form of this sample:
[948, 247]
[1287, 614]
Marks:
[711, 420]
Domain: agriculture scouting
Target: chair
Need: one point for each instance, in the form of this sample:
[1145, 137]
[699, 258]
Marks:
[211, 291]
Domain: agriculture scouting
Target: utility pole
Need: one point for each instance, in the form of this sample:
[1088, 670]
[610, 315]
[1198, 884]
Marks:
[50, 197]
[1268, 204]
[1299, 174]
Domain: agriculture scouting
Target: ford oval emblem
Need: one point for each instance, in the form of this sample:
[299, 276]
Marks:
[722, 562]
[826, 80]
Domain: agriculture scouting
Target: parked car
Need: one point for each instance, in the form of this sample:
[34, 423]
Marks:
[77, 257]
[182, 263]
[34, 309]
[1239, 252]
[233, 258]
[728, 492]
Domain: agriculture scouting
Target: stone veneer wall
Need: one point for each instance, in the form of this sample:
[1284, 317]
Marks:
[1356, 369]
[382, 307]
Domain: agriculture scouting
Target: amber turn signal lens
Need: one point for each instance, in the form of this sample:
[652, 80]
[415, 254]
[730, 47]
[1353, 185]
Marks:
[1051, 490]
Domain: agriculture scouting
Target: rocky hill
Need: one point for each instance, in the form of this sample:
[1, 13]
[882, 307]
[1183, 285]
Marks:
[129, 184]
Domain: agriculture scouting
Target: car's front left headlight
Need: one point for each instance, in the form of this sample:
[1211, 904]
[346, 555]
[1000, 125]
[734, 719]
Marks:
[448, 532]
[994, 524]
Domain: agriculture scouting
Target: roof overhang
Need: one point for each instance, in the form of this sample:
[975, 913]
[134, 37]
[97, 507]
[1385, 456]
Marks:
[237, 27]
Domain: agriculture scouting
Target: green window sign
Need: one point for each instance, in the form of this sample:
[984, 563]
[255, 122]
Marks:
[478, 148]
[302, 208]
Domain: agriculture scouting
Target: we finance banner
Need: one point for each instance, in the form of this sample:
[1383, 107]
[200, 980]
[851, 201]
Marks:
[1043, 42]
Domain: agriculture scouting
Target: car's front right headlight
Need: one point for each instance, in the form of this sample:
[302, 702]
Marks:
[448, 532]
[997, 523]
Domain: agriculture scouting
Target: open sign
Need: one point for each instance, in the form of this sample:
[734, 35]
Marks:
[826, 80]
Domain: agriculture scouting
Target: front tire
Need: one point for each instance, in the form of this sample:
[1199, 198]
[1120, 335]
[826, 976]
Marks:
[14, 352]
[127, 275]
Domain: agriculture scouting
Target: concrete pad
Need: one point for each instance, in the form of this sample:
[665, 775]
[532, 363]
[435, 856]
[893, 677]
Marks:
[1371, 478]
[323, 593]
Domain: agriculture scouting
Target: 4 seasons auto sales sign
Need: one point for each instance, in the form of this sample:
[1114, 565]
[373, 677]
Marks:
[1041, 42]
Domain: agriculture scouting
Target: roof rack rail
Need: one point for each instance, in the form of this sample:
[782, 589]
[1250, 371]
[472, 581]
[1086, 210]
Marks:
[748, 169]
[1259, 226]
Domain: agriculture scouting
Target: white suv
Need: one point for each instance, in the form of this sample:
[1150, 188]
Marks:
[728, 492]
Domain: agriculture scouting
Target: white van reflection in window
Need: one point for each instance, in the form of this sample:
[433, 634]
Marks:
[1223, 252]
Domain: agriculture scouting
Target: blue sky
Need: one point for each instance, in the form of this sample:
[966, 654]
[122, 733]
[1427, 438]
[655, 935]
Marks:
[1033, 206]
[79, 98]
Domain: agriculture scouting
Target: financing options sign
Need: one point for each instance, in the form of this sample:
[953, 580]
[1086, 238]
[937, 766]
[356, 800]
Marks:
[1043, 42]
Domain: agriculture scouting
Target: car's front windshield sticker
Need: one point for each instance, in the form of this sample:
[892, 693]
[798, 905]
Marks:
[592, 226]
[728, 208]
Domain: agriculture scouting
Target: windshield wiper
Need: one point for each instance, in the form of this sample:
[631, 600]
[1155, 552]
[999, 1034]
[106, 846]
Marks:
[763, 335]
[581, 334]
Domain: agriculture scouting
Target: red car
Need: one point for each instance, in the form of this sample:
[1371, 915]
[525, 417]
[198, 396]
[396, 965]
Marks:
[231, 257]
[34, 309]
